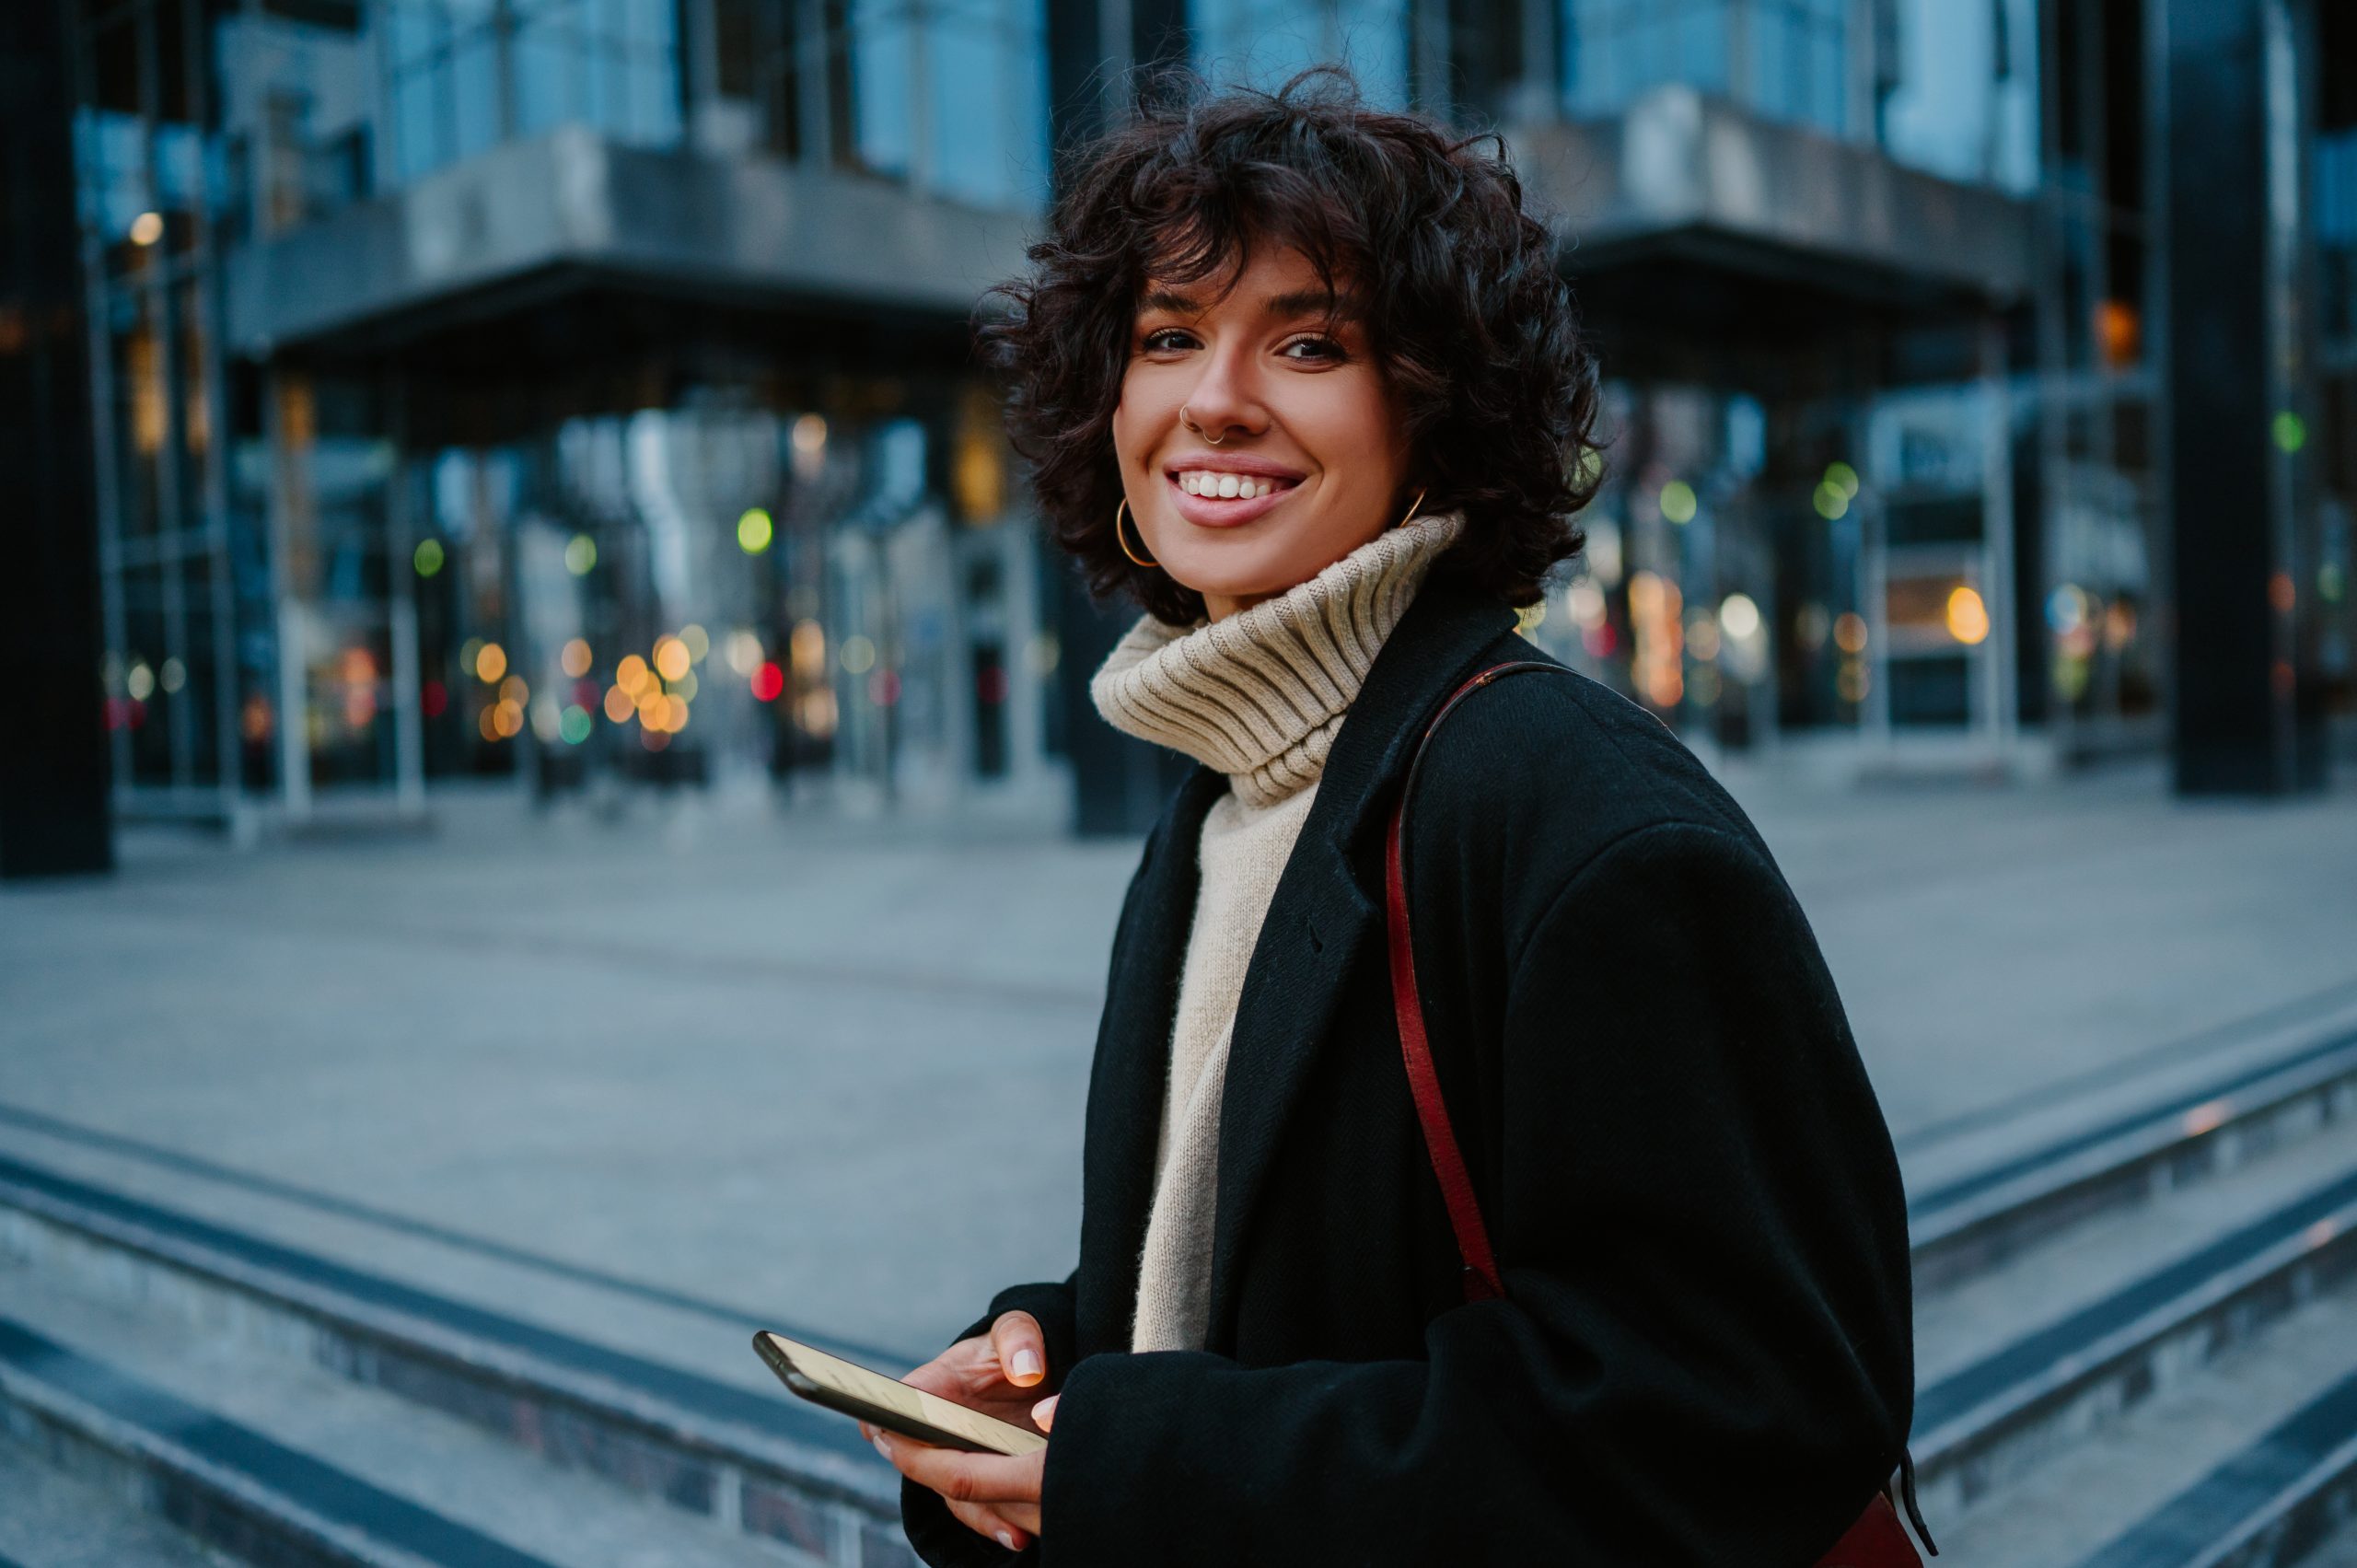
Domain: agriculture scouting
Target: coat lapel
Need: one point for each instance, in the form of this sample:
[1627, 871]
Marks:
[1323, 915]
[1125, 1086]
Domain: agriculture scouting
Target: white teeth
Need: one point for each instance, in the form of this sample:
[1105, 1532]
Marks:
[1198, 482]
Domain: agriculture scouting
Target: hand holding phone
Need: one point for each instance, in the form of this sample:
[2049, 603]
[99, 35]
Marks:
[1001, 1374]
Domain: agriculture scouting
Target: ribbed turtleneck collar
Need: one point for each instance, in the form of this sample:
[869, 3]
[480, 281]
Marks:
[1260, 694]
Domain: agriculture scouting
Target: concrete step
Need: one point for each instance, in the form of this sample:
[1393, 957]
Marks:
[54, 1517]
[2248, 1465]
[745, 1464]
[1987, 1193]
[275, 1461]
[2337, 1549]
[2026, 1364]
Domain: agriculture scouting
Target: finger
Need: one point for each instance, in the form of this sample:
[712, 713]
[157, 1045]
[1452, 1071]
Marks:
[1022, 1515]
[984, 1520]
[1022, 1348]
[1043, 1415]
[966, 1477]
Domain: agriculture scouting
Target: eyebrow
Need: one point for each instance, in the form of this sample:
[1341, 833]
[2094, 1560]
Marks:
[1301, 302]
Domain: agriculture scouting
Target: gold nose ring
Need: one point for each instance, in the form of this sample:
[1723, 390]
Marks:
[1189, 421]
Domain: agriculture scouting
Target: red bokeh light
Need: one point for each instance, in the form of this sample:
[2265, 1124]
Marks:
[433, 698]
[768, 682]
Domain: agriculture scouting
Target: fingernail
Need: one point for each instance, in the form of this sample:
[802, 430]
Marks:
[1026, 1364]
[883, 1445]
[1006, 1539]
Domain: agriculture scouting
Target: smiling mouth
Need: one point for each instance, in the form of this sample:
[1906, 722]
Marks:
[1217, 484]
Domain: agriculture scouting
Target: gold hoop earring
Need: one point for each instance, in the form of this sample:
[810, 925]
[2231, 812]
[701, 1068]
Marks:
[1188, 420]
[1412, 509]
[1120, 507]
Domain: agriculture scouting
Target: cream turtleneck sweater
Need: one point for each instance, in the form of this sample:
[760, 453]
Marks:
[1260, 696]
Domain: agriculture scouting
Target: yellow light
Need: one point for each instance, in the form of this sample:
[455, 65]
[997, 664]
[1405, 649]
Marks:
[817, 713]
[754, 532]
[858, 655]
[491, 663]
[508, 715]
[699, 643]
[1832, 500]
[809, 649]
[427, 557]
[1968, 617]
[675, 717]
[1677, 501]
[1852, 681]
[512, 690]
[671, 658]
[652, 708]
[580, 555]
[147, 228]
[487, 723]
[744, 651]
[576, 658]
[631, 674]
[1844, 478]
[1849, 632]
[810, 434]
[619, 706]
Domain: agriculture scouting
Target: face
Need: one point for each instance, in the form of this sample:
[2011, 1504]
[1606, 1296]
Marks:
[1297, 451]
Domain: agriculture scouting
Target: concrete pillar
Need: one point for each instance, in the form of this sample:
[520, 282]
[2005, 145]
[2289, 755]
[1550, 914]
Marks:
[53, 765]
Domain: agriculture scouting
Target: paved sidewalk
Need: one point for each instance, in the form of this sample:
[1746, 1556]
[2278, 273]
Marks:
[831, 1075]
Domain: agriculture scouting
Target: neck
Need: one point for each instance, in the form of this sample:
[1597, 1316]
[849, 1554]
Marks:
[1259, 692]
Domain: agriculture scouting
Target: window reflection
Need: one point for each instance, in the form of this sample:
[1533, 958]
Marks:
[464, 75]
[1264, 42]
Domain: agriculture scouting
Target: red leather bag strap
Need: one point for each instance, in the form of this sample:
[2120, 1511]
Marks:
[1482, 1280]
[1877, 1540]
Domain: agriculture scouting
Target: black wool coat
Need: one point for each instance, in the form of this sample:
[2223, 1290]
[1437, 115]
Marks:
[1705, 1355]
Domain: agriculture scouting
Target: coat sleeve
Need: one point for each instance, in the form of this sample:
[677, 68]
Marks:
[1704, 1358]
[938, 1535]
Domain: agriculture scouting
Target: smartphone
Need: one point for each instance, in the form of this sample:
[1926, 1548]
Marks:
[888, 1402]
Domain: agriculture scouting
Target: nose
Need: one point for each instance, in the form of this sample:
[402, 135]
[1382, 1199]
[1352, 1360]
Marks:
[1224, 401]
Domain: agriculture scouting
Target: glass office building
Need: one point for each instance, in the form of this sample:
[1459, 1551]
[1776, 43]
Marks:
[578, 392]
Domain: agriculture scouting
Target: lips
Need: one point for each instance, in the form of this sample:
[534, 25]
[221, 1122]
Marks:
[1216, 511]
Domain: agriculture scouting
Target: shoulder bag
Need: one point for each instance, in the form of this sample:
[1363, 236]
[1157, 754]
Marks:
[1877, 1540]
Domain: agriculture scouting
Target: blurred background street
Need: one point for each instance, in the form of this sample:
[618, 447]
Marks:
[550, 815]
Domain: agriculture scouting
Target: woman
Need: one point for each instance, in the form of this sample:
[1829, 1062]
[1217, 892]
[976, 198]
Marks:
[1302, 379]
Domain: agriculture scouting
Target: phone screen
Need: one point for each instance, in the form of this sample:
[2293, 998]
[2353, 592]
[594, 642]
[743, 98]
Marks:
[851, 1388]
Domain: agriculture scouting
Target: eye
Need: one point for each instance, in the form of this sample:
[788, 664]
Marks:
[1168, 340]
[1313, 350]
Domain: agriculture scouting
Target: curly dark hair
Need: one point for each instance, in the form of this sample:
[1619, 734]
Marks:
[1463, 304]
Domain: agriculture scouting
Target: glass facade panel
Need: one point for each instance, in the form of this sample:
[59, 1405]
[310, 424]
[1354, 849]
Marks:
[1264, 42]
[464, 75]
[1615, 50]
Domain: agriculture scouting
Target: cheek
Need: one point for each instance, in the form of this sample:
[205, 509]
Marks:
[1358, 432]
[1140, 418]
